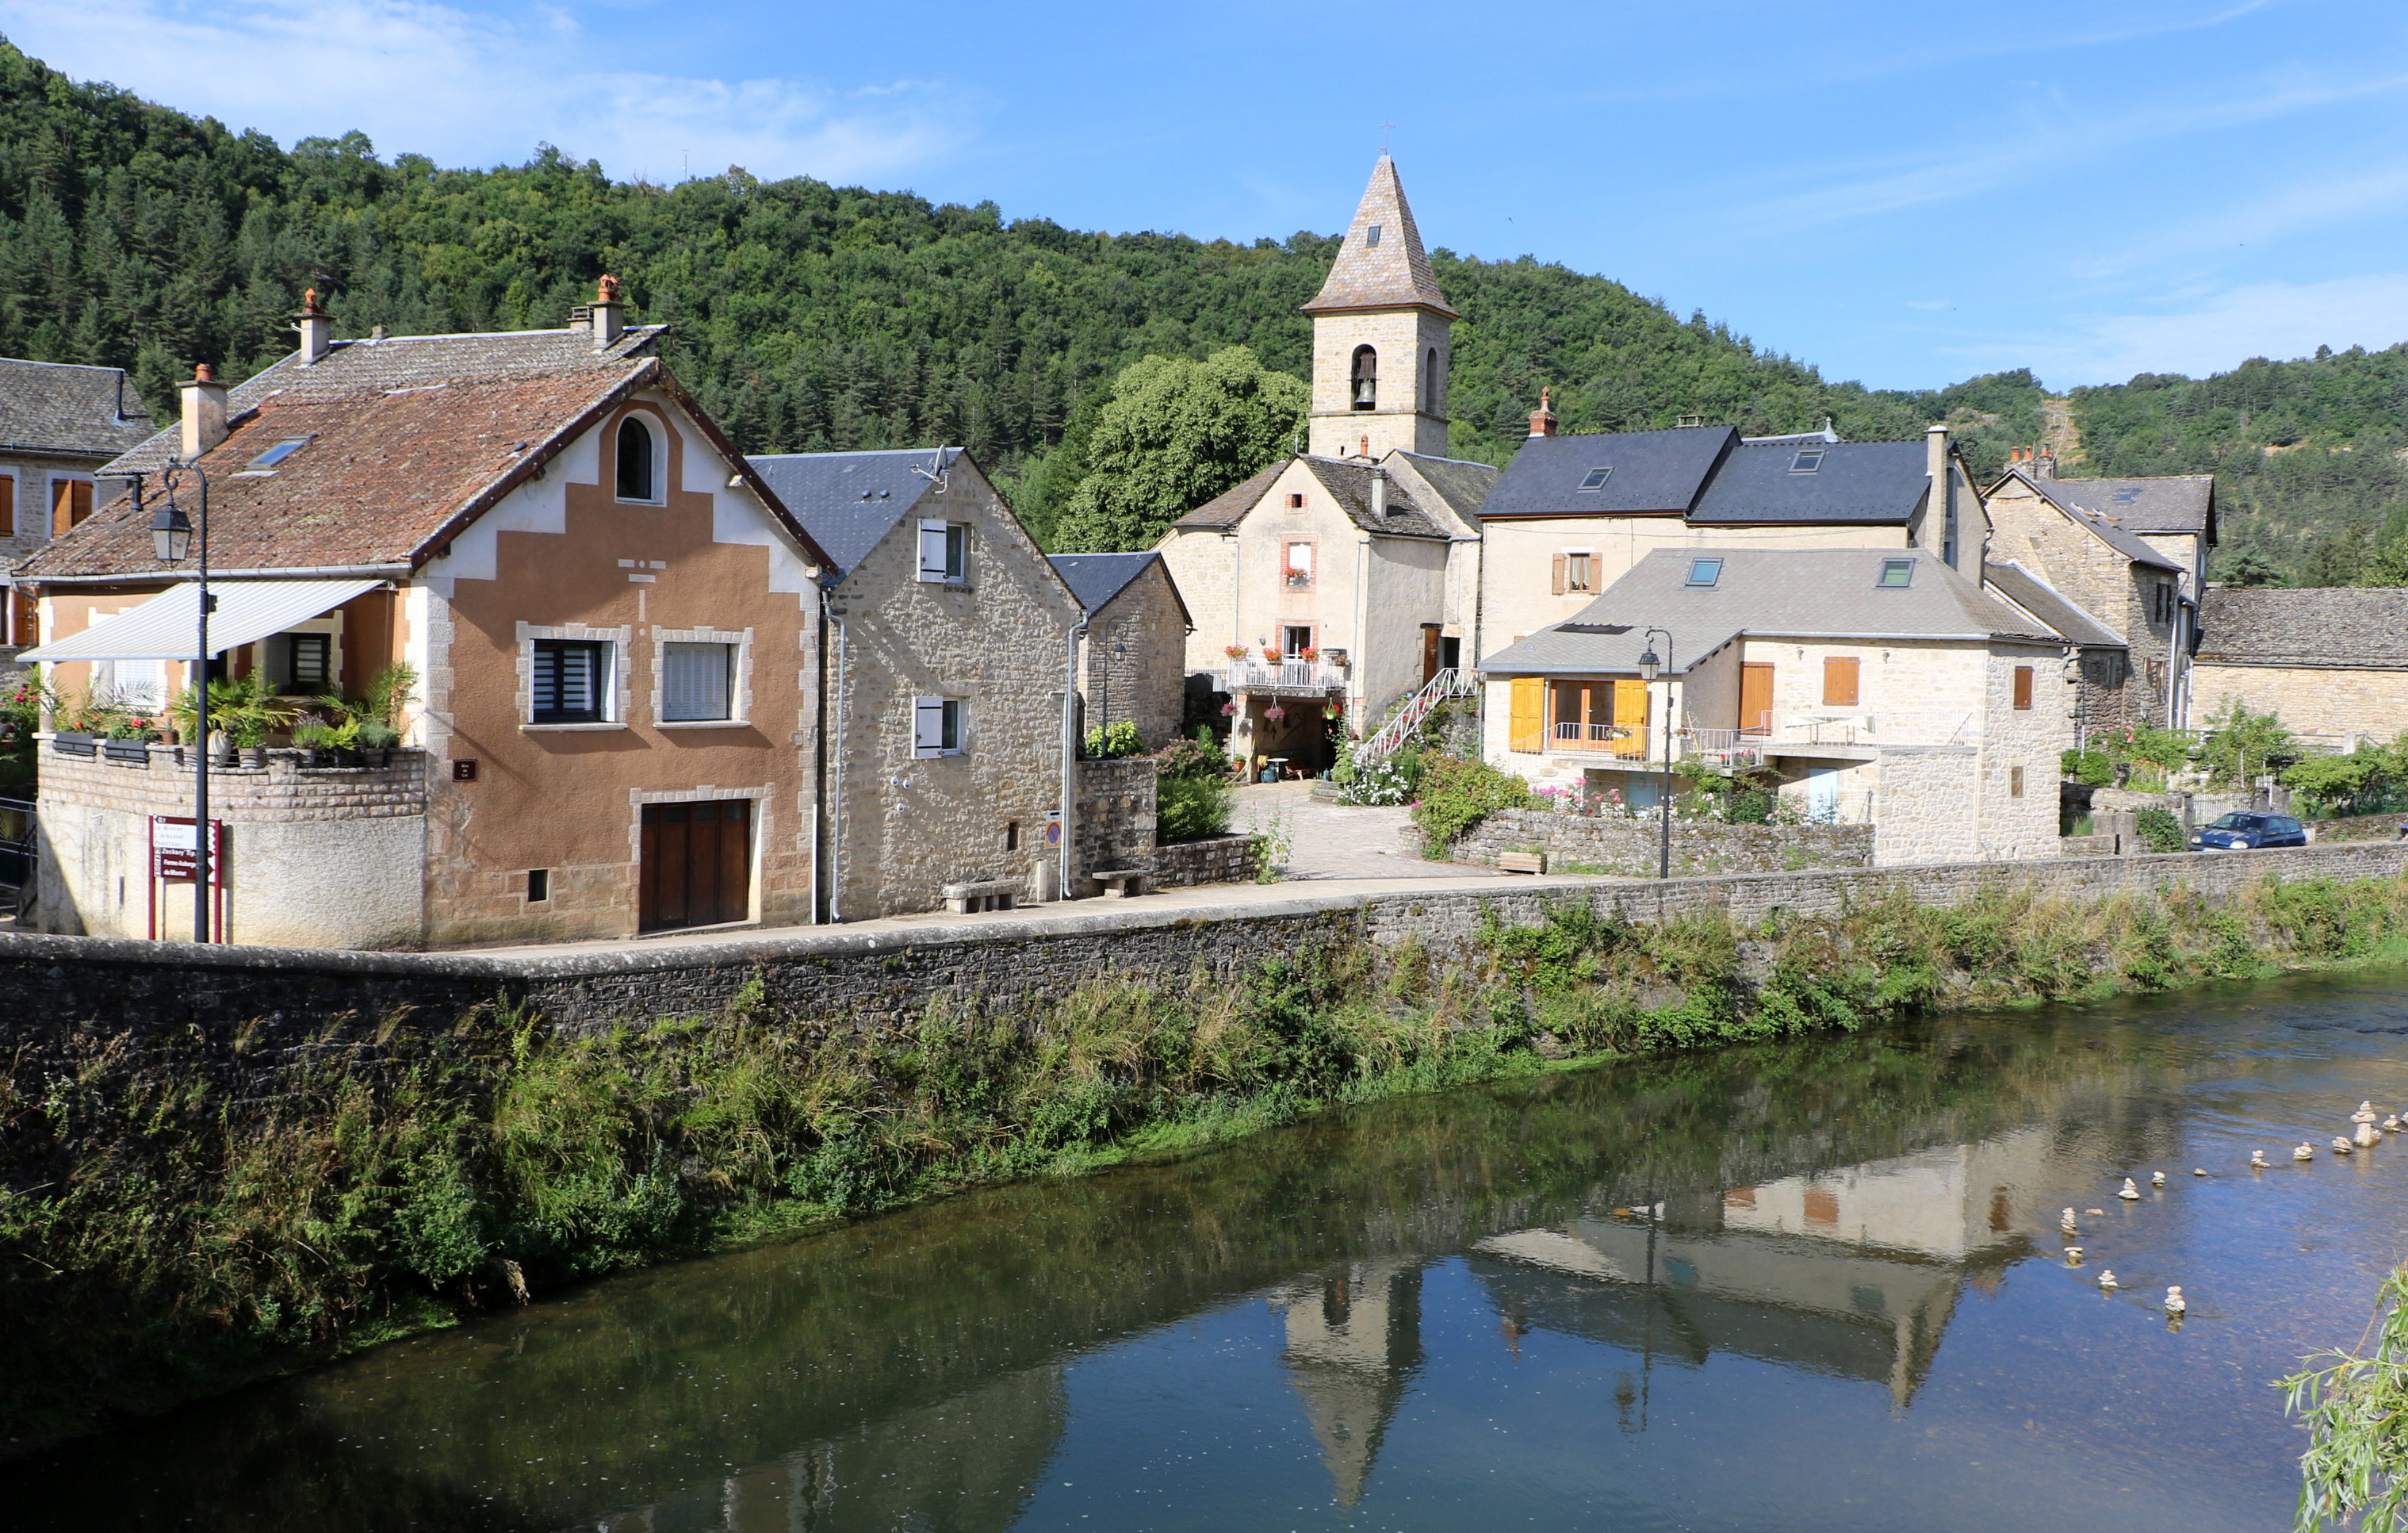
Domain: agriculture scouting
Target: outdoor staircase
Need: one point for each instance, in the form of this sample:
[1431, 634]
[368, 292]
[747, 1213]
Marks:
[1453, 681]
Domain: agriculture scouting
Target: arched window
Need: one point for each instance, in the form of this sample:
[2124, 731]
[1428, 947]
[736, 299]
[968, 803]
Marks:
[1429, 383]
[634, 460]
[1366, 379]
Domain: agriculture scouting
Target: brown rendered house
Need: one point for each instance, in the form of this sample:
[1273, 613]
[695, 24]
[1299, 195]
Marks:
[615, 622]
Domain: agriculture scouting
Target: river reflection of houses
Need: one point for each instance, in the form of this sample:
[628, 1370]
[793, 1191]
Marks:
[1853, 1272]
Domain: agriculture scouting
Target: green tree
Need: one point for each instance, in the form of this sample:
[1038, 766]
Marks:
[2238, 741]
[1175, 433]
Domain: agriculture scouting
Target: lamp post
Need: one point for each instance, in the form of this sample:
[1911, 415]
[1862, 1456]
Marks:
[172, 537]
[1649, 667]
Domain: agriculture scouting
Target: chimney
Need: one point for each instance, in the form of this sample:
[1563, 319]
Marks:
[2042, 464]
[317, 329]
[610, 317]
[1542, 419]
[1379, 494]
[205, 420]
[1940, 508]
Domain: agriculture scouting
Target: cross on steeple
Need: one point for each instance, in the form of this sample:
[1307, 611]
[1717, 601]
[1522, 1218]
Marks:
[1387, 129]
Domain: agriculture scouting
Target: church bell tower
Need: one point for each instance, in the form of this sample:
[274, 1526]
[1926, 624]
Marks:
[1380, 328]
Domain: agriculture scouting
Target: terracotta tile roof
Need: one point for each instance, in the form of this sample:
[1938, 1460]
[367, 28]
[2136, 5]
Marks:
[2328, 628]
[403, 447]
[1229, 508]
[1381, 265]
[58, 410]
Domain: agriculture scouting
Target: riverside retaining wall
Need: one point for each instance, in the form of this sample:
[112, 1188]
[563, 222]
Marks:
[50, 985]
[1583, 843]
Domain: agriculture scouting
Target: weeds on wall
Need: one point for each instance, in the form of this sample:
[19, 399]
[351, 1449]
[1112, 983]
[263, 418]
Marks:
[176, 1214]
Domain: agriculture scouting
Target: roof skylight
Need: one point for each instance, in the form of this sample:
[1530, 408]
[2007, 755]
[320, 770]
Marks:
[265, 463]
[1596, 478]
[1371, 237]
[1704, 572]
[1897, 572]
[1807, 462]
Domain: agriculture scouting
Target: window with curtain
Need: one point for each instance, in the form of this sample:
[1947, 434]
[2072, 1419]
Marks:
[572, 681]
[634, 460]
[698, 682]
[1300, 565]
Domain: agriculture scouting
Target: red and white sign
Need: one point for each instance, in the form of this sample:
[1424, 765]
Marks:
[175, 851]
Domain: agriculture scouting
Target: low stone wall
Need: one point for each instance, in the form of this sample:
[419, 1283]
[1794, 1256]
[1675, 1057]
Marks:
[56, 986]
[2357, 827]
[1215, 859]
[1580, 843]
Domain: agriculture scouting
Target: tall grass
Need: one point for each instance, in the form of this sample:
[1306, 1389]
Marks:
[179, 1212]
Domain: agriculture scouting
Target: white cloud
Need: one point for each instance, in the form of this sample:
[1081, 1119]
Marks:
[468, 89]
[2276, 319]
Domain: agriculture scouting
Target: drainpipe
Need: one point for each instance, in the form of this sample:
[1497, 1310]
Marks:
[2173, 661]
[831, 775]
[1071, 752]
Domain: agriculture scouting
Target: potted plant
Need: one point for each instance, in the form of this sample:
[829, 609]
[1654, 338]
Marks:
[314, 737]
[1234, 651]
[1275, 713]
[1271, 653]
[1307, 655]
[376, 742]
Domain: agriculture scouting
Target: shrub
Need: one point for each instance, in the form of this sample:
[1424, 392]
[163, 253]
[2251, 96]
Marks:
[2093, 766]
[1748, 808]
[1190, 806]
[2161, 830]
[1198, 757]
[1110, 744]
[1456, 794]
[1382, 782]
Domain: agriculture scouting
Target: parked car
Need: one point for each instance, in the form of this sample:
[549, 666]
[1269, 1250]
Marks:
[2234, 832]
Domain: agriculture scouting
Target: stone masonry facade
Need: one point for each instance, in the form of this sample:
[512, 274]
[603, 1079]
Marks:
[2313, 701]
[1133, 660]
[1579, 843]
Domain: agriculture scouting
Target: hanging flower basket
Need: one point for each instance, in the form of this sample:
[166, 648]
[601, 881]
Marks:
[1307, 656]
[1229, 709]
[1234, 651]
[1275, 713]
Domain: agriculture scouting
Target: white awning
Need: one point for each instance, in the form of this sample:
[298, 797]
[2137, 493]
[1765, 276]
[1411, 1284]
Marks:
[166, 627]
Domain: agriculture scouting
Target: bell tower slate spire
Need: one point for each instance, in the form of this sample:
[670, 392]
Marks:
[1380, 335]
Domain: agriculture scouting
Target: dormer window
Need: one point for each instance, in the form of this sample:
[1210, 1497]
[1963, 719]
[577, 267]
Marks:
[1371, 237]
[1807, 462]
[1704, 572]
[1595, 478]
[1897, 572]
[634, 461]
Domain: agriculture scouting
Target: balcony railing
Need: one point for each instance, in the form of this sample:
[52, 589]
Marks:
[1630, 742]
[1283, 676]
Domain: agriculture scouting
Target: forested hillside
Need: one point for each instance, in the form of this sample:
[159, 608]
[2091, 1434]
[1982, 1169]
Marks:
[813, 317]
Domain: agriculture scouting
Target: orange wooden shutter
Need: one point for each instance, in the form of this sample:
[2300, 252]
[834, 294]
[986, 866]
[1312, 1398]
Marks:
[1756, 695]
[62, 506]
[78, 501]
[1840, 682]
[1560, 574]
[1630, 713]
[7, 506]
[1530, 712]
[2023, 687]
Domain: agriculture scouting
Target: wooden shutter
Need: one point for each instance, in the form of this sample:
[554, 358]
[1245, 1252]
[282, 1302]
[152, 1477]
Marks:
[927, 726]
[7, 506]
[1560, 574]
[1528, 714]
[1630, 713]
[1840, 682]
[1756, 697]
[2023, 688]
[932, 552]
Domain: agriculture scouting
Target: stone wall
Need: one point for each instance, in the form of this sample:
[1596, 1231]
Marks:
[870, 978]
[1215, 859]
[2317, 701]
[1133, 660]
[1579, 843]
[1117, 813]
[331, 857]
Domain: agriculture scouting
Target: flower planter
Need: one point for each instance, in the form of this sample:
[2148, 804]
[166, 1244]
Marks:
[76, 745]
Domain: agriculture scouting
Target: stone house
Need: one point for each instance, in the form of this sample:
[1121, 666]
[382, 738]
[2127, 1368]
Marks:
[1571, 515]
[58, 425]
[1348, 575]
[1874, 684]
[615, 622]
[950, 646]
[2332, 662]
[1133, 656]
[2100, 666]
[2132, 553]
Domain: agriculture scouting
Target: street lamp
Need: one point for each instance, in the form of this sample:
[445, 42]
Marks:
[1650, 666]
[172, 538]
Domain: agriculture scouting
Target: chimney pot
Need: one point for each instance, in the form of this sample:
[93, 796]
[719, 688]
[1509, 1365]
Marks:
[1379, 495]
[317, 329]
[204, 423]
[608, 318]
[1542, 419]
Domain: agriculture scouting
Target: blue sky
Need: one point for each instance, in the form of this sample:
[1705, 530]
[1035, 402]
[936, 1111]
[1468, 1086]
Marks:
[1904, 193]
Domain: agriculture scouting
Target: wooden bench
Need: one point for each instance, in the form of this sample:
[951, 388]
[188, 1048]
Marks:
[1522, 862]
[1120, 882]
[987, 894]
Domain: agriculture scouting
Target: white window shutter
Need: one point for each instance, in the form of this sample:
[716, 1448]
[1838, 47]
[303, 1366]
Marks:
[927, 726]
[932, 550]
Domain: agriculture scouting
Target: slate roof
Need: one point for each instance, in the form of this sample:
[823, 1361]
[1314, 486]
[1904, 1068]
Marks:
[2049, 605]
[1095, 578]
[62, 411]
[406, 445]
[2331, 628]
[1229, 508]
[1652, 471]
[851, 500]
[1393, 274]
[1873, 484]
[1766, 593]
[1349, 484]
[2166, 503]
[1462, 485]
[2108, 529]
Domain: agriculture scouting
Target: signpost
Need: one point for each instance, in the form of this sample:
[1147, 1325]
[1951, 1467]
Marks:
[175, 858]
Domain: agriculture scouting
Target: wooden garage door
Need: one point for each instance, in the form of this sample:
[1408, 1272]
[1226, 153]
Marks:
[696, 867]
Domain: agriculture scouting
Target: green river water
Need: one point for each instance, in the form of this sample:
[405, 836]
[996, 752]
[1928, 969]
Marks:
[1810, 1286]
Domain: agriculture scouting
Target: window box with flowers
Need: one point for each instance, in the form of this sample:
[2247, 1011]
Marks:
[1271, 653]
[1307, 655]
[1234, 651]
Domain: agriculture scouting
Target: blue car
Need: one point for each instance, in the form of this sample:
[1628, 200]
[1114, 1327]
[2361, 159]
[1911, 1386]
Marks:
[2234, 832]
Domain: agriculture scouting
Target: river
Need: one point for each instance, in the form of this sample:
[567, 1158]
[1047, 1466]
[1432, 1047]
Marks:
[1817, 1285]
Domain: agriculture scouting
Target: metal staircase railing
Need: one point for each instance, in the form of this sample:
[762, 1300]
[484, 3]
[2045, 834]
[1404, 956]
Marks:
[1453, 681]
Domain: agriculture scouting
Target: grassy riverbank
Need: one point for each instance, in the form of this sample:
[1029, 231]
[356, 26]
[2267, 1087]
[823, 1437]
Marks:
[175, 1216]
